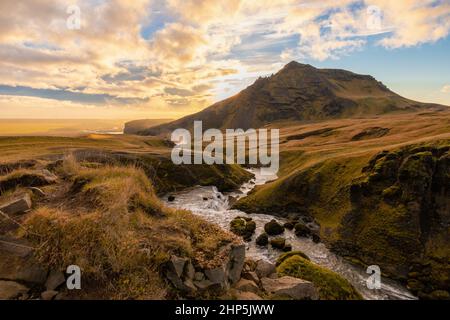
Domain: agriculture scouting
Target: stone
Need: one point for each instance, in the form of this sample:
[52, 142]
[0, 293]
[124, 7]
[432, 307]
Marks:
[216, 275]
[18, 266]
[291, 287]
[301, 230]
[278, 243]
[11, 290]
[288, 225]
[273, 228]
[177, 264]
[199, 276]
[246, 295]
[236, 262]
[243, 226]
[262, 239]
[49, 177]
[287, 247]
[250, 276]
[17, 206]
[247, 285]
[49, 295]
[264, 268]
[171, 198]
[54, 280]
[189, 270]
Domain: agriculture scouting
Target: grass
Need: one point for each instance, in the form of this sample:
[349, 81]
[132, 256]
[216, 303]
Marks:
[330, 285]
[111, 224]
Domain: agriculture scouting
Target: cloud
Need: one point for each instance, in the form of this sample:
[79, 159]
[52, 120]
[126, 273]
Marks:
[446, 89]
[195, 51]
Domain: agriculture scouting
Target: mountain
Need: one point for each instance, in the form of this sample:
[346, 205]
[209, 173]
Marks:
[299, 92]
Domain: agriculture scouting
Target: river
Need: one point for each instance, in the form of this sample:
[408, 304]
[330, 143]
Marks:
[214, 207]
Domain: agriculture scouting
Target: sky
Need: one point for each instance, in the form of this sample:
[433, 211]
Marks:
[168, 58]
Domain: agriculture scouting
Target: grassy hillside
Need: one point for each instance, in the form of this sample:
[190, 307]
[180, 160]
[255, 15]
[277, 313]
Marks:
[378, 188]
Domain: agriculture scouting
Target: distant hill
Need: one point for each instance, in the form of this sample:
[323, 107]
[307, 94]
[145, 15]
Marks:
[299, 92]
[135, 126]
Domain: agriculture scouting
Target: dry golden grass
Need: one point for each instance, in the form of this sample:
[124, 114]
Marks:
[118, 232]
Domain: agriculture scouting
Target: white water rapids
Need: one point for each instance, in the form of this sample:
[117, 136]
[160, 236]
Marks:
[214, 207]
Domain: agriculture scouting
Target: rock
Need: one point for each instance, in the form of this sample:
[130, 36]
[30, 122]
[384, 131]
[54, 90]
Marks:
[49, 294]
[243, 226]
[301, 230]
[216, 275]
[236, 262]
[287, 247]
[278, 243]
[174, 272]
[205, 285]
[231, 200]
[289, 225]
[262, 239]
[250, 265]
[11, 290]
[177, 265]
[273, 228]
[315, 238]
[250, 276]
[246, 295]
[189, 270]
[247, 285]
[205, 199]
[291, 287]
[54, 280]
[199, 276]
[170, 198]
[264, 268]
[17, 206]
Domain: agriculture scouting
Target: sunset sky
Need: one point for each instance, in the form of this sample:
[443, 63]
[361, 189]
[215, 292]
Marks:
[165, 59]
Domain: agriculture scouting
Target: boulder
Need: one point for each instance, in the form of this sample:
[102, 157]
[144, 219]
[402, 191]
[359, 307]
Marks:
[289, 225]
[250, 276]
[278, 243]
[301, 230]
[54, 280]
[236, 262]
[246, 295]
[49, 295]
[216, 275]
[273, 228]
[243, 226]
[290, 287]
[17, 206]
[247, 285]
[199, 276]
[11, 290]
[262, 239]
[264, 268]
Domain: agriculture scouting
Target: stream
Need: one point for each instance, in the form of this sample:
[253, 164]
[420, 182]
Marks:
[214, 207]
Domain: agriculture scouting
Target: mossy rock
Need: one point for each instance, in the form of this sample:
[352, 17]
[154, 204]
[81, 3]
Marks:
[301, 230]
[244, 227]
[331, 286]
[278, 243]
[273, 228]
[289, 225]
[287, 255]
[262, 239]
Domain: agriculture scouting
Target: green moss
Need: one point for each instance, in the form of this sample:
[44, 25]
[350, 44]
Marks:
[331, 286]
[243, 226]
[273, 228]
[278, 243]
[287, 255]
